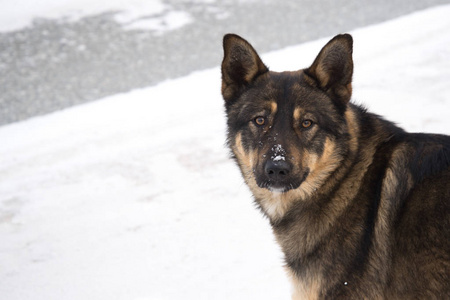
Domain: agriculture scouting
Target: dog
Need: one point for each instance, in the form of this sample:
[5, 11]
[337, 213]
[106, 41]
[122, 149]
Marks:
[359, 206]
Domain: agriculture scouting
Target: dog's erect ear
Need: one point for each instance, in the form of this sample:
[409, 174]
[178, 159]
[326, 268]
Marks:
[240, 66]
[333, 68]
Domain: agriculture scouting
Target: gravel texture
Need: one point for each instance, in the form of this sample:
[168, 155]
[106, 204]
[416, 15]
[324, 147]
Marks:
[56, 64]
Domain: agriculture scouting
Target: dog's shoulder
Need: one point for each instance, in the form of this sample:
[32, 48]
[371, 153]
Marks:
[420, 154]
[430, 155]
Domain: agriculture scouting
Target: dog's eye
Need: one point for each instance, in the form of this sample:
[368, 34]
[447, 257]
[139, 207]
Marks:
[307, 123]
[260, 121]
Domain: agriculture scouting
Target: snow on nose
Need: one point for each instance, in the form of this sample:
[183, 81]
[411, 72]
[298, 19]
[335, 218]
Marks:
[278, 153]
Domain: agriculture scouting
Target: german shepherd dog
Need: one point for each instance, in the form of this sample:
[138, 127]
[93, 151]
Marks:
[359, 206]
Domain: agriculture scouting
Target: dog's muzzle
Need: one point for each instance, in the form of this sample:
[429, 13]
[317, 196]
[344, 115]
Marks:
[278, 176]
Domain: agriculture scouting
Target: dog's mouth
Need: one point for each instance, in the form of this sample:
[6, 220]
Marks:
[283, 185]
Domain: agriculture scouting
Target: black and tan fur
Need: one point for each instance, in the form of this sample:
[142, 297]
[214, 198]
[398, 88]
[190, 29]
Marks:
[359, 206]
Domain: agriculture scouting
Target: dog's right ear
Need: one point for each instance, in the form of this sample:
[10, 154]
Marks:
[333, 68]
[240, 66]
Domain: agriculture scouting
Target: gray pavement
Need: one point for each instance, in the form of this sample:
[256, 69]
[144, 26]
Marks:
[56, 64]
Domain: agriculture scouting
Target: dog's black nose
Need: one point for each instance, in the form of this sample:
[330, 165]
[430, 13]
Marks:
[277, 170]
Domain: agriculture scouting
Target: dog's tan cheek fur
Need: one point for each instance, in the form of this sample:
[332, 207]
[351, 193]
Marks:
[247, 161]
[245, 158]
[320, 167]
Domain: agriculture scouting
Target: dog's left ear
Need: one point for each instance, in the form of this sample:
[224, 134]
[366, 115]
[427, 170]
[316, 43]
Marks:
[240, 66]
[332, 69]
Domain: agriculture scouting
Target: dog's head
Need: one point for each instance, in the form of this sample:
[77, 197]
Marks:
[288, 131]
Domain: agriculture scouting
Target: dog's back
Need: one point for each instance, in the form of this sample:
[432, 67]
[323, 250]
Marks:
[420, 223]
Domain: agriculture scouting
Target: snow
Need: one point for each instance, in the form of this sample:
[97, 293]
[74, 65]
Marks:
[278, 152]
[133, 14]
[169, 21]
[134, 196]
[278, 158]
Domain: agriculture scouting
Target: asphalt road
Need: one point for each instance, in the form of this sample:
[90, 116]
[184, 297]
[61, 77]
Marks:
[56, 64]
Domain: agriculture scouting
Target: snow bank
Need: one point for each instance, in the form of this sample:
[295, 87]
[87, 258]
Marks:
[134, 197]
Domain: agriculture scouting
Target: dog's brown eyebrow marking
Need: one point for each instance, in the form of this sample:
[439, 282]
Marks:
[298, 111]
[274, 107]
[270, 108]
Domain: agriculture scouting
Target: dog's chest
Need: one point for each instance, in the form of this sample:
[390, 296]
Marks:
[303, 289]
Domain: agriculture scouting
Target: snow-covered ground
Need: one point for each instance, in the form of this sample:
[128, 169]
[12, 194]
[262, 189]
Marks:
[133, 14]
[133, 196]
